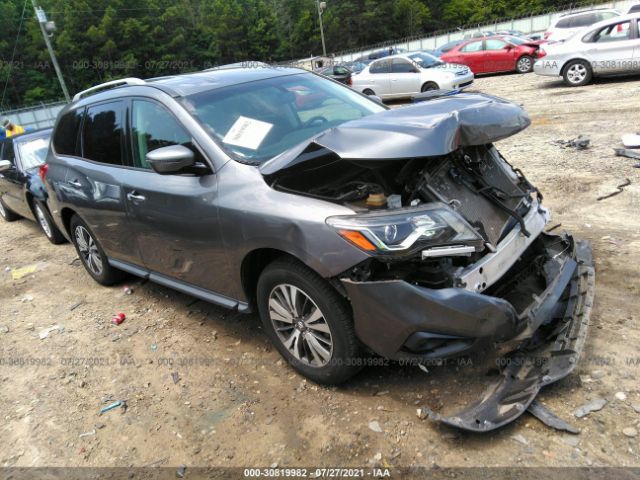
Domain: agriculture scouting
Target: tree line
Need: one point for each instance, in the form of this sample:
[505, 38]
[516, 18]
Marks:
[100, 40]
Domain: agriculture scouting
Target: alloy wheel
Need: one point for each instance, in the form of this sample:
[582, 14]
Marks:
[300, 325]
[89, 250]
[3, 212]
[576, 73]
[524, 64]
[42, 220]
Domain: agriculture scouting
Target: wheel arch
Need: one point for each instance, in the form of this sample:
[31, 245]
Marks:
[566, 64]
[66, 214]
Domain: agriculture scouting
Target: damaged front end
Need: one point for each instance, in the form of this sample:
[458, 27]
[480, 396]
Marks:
[459, 263]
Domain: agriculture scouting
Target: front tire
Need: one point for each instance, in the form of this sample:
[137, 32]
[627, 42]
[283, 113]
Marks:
[6, 214]
[524, 64]
[43, 217]
[577, 73]
[308, 322]
[91, 254]
[429, 86]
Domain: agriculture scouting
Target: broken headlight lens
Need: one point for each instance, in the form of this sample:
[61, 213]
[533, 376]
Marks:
[406, 229]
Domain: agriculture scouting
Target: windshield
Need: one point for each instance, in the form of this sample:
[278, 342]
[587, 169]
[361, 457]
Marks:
[425, 60]
[33, 153]
[256, 121]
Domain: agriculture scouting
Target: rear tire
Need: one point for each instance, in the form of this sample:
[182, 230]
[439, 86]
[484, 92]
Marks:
[429, 86]
[7, 214]
[577, 73]
[368, 91]
[48, 227]
[91, 254]
[524, 64]
[309, 323]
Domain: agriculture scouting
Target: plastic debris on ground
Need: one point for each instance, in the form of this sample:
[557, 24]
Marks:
[625, 152]
[631, 140]
[118, 318]
[620, 189]
[47, 331]
[120, 403]
[550, 419]
[19, 273]
[593, 406]
[581, 142]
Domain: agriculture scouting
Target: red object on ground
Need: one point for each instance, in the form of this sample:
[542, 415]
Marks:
[118, 318]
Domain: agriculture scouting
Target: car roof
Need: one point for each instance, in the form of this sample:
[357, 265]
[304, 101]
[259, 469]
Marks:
[609, 21]
[31, 135]
[191, 83]
[591, 10]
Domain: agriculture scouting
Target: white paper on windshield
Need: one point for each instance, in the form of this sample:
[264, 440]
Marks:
[247, 132]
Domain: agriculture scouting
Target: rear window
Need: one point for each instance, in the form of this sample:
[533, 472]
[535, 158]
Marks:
[66, 135]
[103, 133]
[383, 66]
[33, 153]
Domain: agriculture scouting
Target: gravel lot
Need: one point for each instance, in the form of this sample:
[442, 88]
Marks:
[204, 387]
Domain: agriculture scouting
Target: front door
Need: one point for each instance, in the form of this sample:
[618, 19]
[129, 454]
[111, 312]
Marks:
[174, 217]
[499, 55]
[612, 47]
[405, 77]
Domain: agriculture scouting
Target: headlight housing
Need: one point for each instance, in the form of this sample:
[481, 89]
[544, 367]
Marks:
[406, 230]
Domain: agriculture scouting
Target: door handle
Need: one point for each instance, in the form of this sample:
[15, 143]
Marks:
[135, 197]
[75, 183]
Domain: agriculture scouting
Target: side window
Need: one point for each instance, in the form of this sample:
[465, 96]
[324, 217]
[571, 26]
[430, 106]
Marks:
[341, 71]
[612, 33]
[494, 44]
[584, 20]
[472, 47]
[103, 133]
[400, 65]
[8, 152]
[382, 66]
[153, 127]
[564, 23]
[65, 138]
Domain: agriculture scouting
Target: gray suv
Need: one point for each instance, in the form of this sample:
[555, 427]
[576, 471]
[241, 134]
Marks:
[353, 229]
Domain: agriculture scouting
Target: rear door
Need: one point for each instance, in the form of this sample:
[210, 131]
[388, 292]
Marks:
[93, 183]
[174, 217]
[379, 73]
[472, 55]
[612, 48]
[405, 77]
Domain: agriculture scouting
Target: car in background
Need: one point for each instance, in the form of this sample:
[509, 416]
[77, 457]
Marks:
[448, 47]
[22, 192]
[355, 66]
[340, 73]
[382, 53]
[479, 34]
[515, 33]
[495, 54]
[401, 76]
[571, 23]
[610, 47]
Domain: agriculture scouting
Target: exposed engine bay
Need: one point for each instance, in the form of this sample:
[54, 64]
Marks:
[476, 182]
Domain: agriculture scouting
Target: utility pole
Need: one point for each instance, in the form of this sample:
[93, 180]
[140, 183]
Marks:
[321, 6]
[47, 28]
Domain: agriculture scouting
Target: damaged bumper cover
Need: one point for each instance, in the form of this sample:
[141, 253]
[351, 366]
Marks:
[400, 320]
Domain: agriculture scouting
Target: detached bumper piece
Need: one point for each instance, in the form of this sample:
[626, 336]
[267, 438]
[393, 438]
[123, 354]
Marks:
[551, 354]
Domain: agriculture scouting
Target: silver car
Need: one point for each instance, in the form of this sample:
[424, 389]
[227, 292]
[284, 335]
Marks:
[401, 76]
[611, 47]
[358, 233]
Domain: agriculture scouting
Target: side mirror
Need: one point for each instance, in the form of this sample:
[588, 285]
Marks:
[508, 46]
[376, 98]
[170, 159]
[5, 165]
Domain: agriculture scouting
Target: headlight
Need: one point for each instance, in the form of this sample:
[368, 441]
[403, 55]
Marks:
[406, 230]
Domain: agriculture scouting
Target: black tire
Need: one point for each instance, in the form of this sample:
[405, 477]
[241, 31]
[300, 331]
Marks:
[577, 73]
[106, 275]
[6, 214]
[368, 91]
[46, 224]
[335, 319]
[429, 86]
[524, 64]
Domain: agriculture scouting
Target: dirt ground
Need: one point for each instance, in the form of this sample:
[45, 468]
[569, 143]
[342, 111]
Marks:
[204, 387]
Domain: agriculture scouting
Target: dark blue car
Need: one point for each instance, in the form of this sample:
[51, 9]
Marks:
[22, 193]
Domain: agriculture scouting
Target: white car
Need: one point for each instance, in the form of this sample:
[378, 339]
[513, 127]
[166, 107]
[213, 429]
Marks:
[611, 47]
[568, 24]
[407, 74]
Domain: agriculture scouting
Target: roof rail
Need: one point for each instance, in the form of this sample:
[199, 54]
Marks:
[107, 85]
[585, 10]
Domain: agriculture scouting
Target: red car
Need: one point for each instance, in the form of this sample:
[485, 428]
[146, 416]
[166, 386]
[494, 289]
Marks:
[499, 53]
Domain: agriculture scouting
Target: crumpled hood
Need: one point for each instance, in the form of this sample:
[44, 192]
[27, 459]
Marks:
[426, 129]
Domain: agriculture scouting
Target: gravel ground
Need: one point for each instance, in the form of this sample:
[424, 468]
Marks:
[203, 387]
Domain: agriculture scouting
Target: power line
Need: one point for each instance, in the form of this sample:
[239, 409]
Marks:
[13, 54]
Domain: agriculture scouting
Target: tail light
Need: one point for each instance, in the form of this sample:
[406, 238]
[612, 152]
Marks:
[541, 53]
[349, 81]
[42, 172]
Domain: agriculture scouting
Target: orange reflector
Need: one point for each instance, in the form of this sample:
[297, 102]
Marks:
[357, 239]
